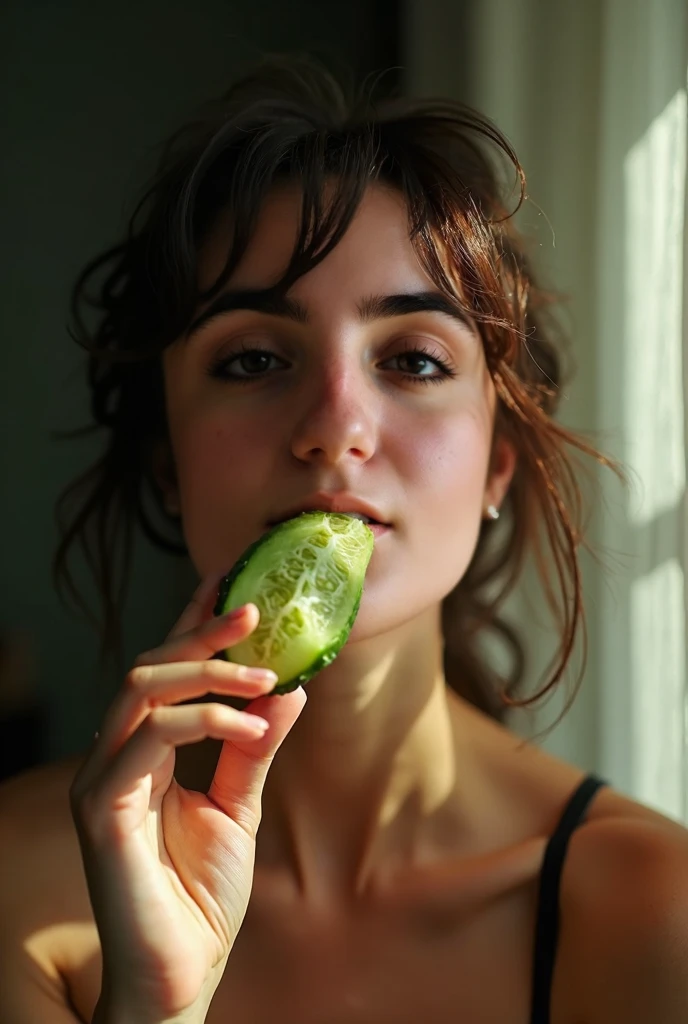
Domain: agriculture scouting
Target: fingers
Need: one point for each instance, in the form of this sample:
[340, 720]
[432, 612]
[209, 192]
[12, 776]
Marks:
[147, 750]
[188, 673]
[206, 639]
[151, 686]
[242, 767]
[144, 723]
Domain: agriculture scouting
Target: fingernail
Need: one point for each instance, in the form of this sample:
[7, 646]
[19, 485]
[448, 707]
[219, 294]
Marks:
[256, 724]
[258, 675]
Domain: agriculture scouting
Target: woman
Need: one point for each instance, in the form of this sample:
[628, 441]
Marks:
[322, 303]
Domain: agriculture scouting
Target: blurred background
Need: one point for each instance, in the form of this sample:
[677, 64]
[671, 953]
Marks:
[591, 93]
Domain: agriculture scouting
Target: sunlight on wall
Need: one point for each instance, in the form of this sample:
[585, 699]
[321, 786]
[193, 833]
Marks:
[654, 429]
[654, 189]
[657, 689]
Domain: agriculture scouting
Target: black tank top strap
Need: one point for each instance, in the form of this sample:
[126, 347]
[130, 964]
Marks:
[547, 925]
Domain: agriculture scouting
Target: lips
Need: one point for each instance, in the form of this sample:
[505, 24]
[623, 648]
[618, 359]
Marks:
[379, 529]
[334, 502]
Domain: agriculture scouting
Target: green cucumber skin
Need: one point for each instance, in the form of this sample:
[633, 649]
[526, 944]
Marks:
[316, 666]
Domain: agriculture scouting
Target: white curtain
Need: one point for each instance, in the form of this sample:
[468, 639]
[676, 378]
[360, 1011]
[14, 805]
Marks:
[593, 96]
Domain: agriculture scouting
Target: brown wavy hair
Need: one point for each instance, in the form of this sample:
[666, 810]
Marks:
[290, 120]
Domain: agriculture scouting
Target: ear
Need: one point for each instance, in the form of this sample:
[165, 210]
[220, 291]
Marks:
[502, 468]
[164, 475]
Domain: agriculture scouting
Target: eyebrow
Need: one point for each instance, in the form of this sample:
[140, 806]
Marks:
[371, 308]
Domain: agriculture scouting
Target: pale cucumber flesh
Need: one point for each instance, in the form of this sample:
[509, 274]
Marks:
[306, 577]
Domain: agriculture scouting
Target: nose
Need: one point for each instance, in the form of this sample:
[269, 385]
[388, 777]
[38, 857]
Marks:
[337, 421]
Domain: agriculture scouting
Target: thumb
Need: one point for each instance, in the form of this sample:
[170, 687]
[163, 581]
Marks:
[243, 767]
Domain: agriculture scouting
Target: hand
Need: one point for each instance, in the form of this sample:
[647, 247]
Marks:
[170, 870]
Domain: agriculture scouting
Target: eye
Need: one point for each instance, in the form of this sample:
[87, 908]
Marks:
[250, 364]
[418, 357]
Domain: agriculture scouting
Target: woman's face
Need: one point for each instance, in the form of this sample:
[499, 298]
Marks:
[336, 400]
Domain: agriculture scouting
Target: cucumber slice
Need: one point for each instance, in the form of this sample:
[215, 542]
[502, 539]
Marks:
[306, 577]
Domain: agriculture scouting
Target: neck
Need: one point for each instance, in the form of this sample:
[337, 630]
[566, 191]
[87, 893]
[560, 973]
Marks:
[362, 784]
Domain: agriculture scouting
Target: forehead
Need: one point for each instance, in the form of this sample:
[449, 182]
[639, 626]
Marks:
[375, 251]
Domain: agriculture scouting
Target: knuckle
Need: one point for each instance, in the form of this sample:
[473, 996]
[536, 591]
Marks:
[78, 792]
[211, 670]
[96, 824]
[82, 804]
[145, 658]
[154, 719]
[214, 715]
[137, 677]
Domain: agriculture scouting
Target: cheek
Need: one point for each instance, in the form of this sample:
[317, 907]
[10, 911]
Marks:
[214, 448]
[221, 471]
[208, 454]
[446, 494]
[443, 468]
[451, 462]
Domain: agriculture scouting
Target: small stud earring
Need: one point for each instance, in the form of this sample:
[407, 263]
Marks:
[493, 512]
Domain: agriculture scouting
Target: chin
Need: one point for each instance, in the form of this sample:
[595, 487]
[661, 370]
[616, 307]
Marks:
[378, 618]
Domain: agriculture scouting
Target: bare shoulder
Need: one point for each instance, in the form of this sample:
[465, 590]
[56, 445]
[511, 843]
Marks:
[34, 810]
[45, 913]
[624, 903]
[622, 844]
[40, 852]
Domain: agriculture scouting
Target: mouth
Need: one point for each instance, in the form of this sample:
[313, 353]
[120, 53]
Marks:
[343, 502]
[378, 529]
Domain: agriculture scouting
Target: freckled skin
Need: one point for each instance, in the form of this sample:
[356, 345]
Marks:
[338, 418]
